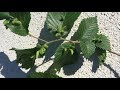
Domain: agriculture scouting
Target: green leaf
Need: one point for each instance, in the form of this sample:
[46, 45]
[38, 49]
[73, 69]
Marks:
[88, 29]
[4, 15]
[87, 48]
[102, 42]
[27, 57]
[66, 54]
[101, 55]
[60, 23]
[23, 17]
[19, 24]
[70, 18]
[42, 75]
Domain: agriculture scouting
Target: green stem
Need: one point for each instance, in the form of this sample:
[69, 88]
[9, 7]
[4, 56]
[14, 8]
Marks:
[38, 38]
[70, 40]
[54, 41]
[62, 39]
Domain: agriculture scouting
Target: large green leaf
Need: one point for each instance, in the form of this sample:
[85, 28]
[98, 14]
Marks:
[88, 29]
[60, 23]
[19, 24]
[87, 48]
[101, 54]
[42, 75]
[5, 15]
[27, 57]
[102, 42]
[66, 54]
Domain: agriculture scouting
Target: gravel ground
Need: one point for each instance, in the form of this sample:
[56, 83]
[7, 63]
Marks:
[109, 24]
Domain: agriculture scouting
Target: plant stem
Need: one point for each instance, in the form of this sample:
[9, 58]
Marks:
[62, 39]
[38, 38]
[54, 41]
[70, 41]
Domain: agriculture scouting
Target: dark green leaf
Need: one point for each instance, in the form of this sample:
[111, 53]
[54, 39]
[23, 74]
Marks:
[66, 54]
[60, 23]
[16, 28]
[101, 55]
[88, 29]
[87, 48]
[102, 42]
[42, 75]
[4, 15]
[19, 24]
[27, 57]
[23, 17]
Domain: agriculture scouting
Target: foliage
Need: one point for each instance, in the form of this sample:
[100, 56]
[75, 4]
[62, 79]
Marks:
[59, 24]
[42, 75]
[17, 22]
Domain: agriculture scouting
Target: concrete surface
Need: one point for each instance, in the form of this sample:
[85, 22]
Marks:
[109, 24]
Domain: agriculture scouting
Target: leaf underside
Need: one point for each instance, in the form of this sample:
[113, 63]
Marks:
[60, 23]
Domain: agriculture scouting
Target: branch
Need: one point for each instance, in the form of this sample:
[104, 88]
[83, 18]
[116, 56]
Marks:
[37, 38]
[54, 41]
[62, 39]
[71, 40]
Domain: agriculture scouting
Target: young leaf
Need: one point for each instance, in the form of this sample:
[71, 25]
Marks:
[23, 17]
[87, 48]
[101, 55]
[19, 24]
[16, 28]
[60, 23]
[102, 42]
[27, 57]
[66, 54]
[4, 15]
[42, 75]
[88, 29]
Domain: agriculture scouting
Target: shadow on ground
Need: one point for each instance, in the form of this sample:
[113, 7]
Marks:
[46, 35]
[10, 69]
[111, 69]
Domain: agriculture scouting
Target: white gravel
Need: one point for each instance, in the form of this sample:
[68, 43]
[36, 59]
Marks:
[109, 24]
